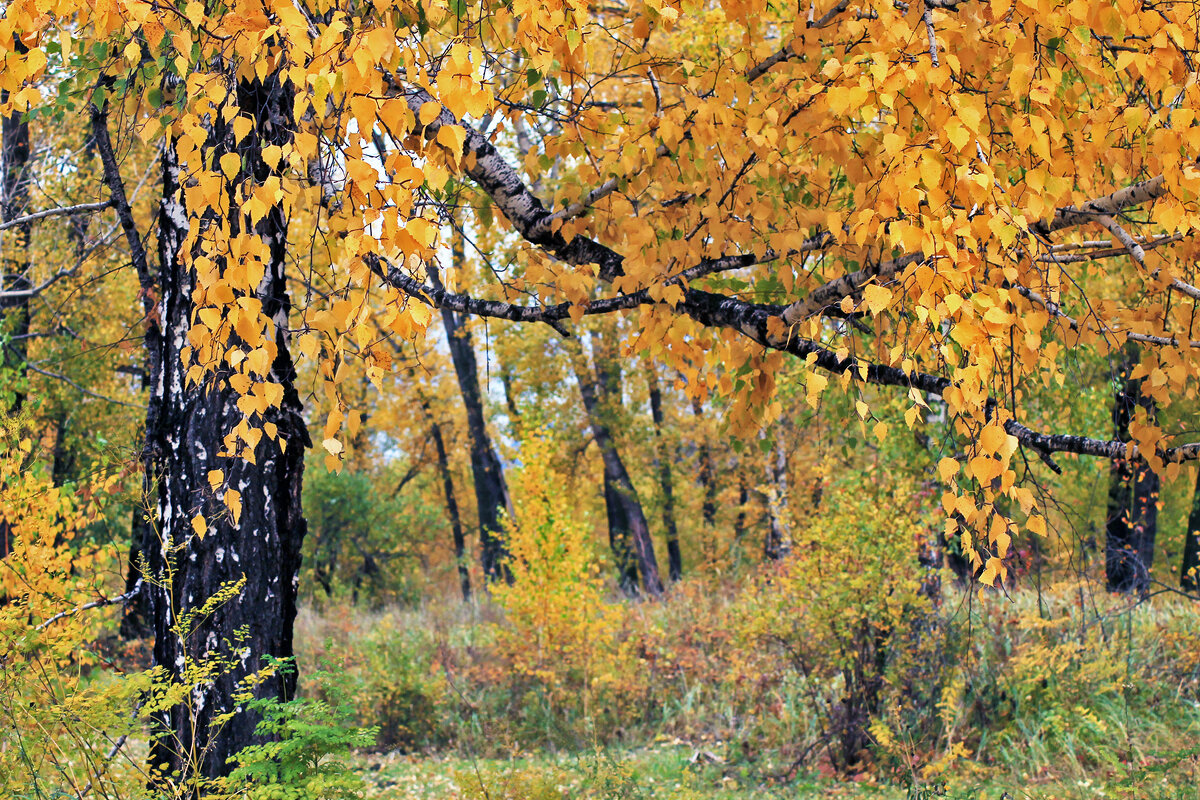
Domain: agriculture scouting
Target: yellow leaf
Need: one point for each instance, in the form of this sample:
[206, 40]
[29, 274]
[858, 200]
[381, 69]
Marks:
[231, 163]
[194, 11]
[877, 298]
[233, 501]
[992, 439]
[333, 446]
[199, 525]
[993, 570]
[429, 112]
[215, 478]
[453, 137]
[957, 134]
[947, 468]
[241, 127]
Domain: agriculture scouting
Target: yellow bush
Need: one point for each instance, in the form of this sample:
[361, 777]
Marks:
[558, 628]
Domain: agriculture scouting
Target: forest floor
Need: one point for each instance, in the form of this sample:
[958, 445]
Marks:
[681, 772]
[1106, 710]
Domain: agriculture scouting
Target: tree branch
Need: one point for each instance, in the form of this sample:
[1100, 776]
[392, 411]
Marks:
[116, 188]
[527, 214]
[70, 612]
[65, 211]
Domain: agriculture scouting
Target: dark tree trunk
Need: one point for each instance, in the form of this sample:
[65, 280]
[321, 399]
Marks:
[674, 557]
[491, 491]
[779, 541]
[618, 538]
[952, 552]
[14, 276]
[1189, 575]
[739, 521]
[622, 496]
[708, 474]
[1132, 519]
[14, 259]
[187, 426]
[510, 395]
[456, 527]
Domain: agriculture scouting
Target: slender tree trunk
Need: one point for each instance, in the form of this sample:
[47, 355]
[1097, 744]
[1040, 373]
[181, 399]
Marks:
[187, 424]
[739, 521]
[491, 491]
[623, 494]
[779, 540]
[674, 557]
[1189, 574]
[1132, 519]
[14, 276]
[708, 474]
[510, 395]
[456, 526]
[15, 179]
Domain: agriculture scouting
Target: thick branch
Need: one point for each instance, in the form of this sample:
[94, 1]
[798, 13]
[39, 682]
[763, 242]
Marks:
[514, 199]
[527, 214]
[832, 293]
[1108, 205]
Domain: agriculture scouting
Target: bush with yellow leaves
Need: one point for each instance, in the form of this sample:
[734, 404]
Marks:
[559, 632]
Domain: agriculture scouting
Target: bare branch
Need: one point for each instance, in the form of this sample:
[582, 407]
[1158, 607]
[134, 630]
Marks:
[116, 187]
[1109, 204]
[70, 612]
[1121, 235]
[82, 389]
[65, 211]
[927, 16]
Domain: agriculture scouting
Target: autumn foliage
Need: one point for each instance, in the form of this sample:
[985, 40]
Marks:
[870, 315]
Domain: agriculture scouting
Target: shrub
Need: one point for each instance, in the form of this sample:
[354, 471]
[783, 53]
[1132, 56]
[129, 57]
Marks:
[304, 758]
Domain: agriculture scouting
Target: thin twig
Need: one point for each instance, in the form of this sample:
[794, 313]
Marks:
[82, 389]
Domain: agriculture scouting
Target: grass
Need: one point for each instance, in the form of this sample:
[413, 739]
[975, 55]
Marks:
[1055, 701]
